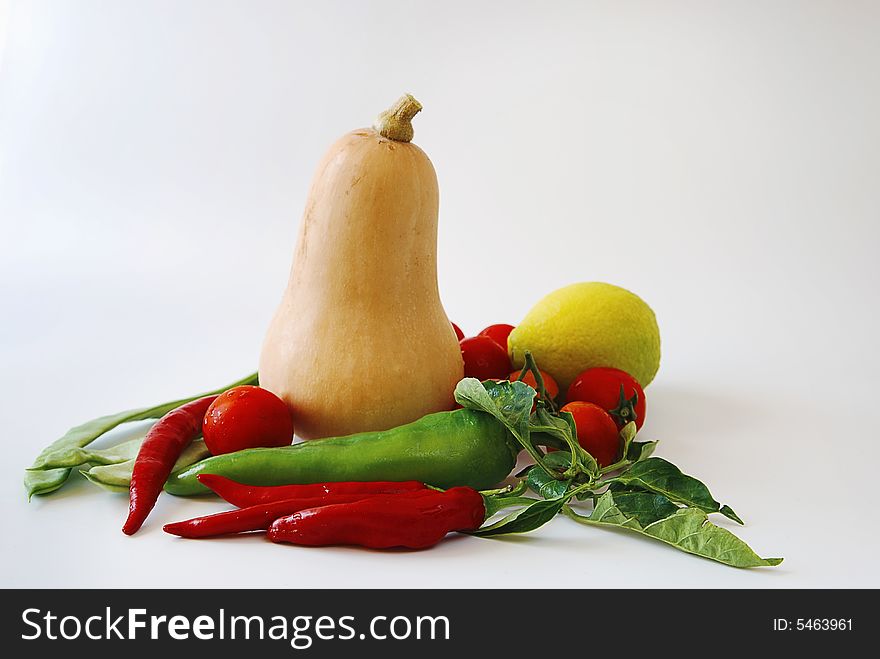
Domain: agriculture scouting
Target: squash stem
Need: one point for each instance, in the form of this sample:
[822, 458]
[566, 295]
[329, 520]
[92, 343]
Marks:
[396, 122]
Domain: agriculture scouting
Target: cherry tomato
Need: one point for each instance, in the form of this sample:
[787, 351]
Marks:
[529, 378]
[458, 333]
[597, 433]
[484, 359]
[498, 333]
[602, 387]
[246, 417]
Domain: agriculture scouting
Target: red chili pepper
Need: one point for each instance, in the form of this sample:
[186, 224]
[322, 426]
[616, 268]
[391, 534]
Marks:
[241, 495]
[254, 518]
[155, 460]
[384, 521]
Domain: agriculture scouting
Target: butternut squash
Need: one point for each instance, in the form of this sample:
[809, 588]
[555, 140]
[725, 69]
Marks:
[360, 340]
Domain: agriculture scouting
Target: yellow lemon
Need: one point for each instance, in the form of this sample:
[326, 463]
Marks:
[586, 325]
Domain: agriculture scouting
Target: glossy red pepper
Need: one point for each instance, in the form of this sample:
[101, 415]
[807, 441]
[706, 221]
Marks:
[257, 518]
[162, 446]
[384, 521]
[241, 495]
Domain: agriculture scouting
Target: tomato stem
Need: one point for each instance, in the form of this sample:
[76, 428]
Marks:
[626, 407]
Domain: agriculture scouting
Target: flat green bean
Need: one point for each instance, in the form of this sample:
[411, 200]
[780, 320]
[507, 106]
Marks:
[43, 477]
[45, 481]
[117, 477]
[76, 455]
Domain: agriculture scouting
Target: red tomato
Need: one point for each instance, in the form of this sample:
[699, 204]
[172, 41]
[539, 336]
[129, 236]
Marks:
[498, 333]
[529, 378]
[458, 333]
[246, 417]
[602, 387]
[597, 433]
[484, 359]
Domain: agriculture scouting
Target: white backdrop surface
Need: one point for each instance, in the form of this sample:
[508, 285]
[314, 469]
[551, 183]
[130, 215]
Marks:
[719, 159]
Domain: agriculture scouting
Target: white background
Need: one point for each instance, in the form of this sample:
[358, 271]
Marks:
[721, 160]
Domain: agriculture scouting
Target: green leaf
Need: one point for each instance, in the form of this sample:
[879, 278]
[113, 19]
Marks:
[645, 507]
[559, 426]
[545, 485]
[494, 504]
[563, 429]
[727, 511]
[627, 435]
[560, 460]
[509, 402]
[688, 529]
[84, 434]
[605, 511]
[525, 519]
[662, 477]
[640, 451]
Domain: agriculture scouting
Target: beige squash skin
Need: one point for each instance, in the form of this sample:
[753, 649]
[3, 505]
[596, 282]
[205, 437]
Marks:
[360, 340]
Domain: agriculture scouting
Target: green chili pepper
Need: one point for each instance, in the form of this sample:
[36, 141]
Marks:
[445, 449]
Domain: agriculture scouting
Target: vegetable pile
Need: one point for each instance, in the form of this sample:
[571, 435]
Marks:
[383, 489]
[430, 449]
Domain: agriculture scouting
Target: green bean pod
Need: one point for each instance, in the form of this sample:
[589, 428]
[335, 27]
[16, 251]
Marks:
[444, 449]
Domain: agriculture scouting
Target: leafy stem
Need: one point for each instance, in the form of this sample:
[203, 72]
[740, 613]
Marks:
[507, 490]
[620, 464]
[627, 435]
[531, 365]
[510, 403]
[638, 492]
[561, 428]
[687, 529]
[538, 456]
[534, 514]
